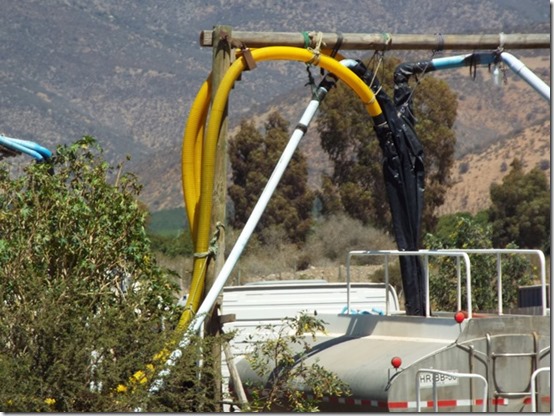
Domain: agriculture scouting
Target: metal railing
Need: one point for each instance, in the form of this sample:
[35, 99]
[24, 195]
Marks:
[458, 254]
[449, 374]
[498, 253]
[426, 254]
[533, 386]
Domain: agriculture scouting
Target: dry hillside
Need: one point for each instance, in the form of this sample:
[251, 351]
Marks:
[474, 173]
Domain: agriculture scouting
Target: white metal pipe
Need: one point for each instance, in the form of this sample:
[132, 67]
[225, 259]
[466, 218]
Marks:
[499, 282]
[459, 284]
[452, 253]
[526, 74]
[348, 283]
[246, 233]
[256, 214]
[533, 387]
[222, 277]
[427, 296]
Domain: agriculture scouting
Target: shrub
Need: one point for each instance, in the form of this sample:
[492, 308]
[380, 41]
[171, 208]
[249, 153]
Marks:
[280, 357]
[83, 303]
[335, 236]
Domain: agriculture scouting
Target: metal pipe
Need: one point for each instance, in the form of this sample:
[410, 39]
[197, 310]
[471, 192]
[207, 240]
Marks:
[526, 74]
[483, 58]
[246, 233]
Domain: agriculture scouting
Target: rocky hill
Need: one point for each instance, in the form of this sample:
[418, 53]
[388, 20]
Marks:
[126, 71]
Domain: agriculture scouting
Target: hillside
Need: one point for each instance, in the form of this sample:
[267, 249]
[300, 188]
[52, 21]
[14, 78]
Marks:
[126, 71]
[475, 172]
[493, 126]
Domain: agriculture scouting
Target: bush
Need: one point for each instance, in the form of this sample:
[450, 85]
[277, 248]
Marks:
[83, 303]
[465, 231]
[280, 358]
[335, 236]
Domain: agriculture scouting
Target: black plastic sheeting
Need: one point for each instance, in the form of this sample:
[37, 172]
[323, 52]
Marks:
[403, 171]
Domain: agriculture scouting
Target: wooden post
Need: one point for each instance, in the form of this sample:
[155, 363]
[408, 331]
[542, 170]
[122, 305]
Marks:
[221, 62]
[390, 41]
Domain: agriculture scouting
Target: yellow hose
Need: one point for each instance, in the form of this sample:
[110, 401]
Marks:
[198, 163]
[200, 212]
[191, 156]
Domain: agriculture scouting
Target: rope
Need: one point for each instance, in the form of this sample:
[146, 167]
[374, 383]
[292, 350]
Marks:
[338, 44]
[317, 49]
[440, 42]
[213, 248]
[418, 80]
[375, 70]
[387, 39]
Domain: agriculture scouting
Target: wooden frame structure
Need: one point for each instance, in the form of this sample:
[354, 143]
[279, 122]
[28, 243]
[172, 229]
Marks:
[222, 39]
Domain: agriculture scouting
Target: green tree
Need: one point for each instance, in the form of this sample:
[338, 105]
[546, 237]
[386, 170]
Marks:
[520, 208]
[253, 158]
[465, 231]
[83, 304]
[348, 138]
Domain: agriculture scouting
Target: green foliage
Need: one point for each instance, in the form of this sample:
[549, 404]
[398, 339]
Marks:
[520, 209]
[447, 225]
[189, 385]
[253, 158]
[463, 231]
[167, 222]
[281, 359]
[83, 304]
[171, 246]
[348, 138]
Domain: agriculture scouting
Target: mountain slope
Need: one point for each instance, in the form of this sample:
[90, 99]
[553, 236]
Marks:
[126, 71]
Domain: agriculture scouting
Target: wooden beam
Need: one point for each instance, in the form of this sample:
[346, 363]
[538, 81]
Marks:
[221, 60]
[389, 41]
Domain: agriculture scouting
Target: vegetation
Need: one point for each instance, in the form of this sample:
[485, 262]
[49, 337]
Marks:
[253, 158]
[520, 209]
[83, 304]
[465, 231]
[167, 222]
[281, 357]
[347, 136]
[85, 308]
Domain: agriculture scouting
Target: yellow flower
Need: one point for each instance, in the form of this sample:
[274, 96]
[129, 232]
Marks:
[50, 401]
[139, 377]
[121, 388]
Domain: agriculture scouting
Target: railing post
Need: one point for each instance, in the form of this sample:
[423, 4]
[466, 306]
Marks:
[450, 374]
[533, 386]
[499, 282]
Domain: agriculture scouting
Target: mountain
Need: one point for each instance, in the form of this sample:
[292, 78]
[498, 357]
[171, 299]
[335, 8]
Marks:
[127, 71]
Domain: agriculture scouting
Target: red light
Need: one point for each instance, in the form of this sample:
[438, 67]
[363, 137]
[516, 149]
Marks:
[396, 362]
[459, 317]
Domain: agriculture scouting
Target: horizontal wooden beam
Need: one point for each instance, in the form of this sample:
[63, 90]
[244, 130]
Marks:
[387, 41]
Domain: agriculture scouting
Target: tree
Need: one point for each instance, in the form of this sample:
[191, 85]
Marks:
[348, 138]
[83, 304]
[253, 157]
[520, 208]
[461, 231]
